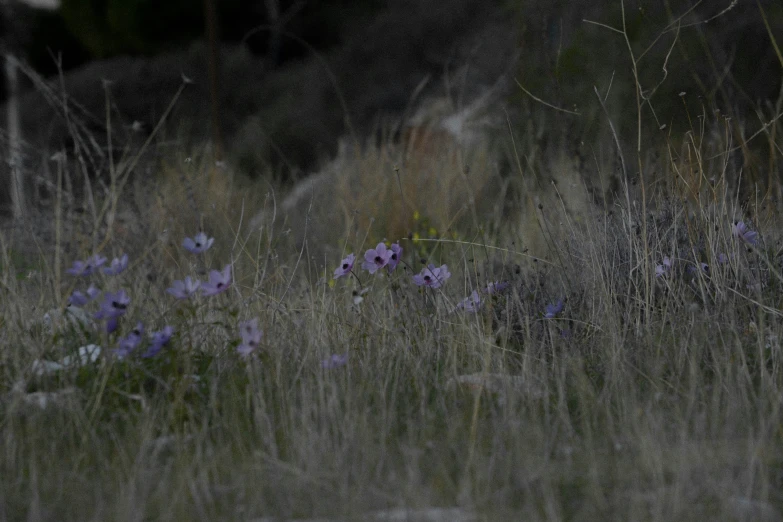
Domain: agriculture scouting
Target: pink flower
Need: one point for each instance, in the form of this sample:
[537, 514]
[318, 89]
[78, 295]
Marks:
[472, 303]
[88, 266]
[376, 258]
[218, 282]
[184, 289]
[198, 244]
[553, 309]
[113, 306]
[118, 265]
[432, 276]
[663, 269]
[497, 287]
[251, 337]
[79, 299]
[741, 231]
[394, 260]
[346, 265]
[159, 340]
[335, 361]
[130, 343]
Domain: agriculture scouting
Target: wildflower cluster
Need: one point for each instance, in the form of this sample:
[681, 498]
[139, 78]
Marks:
[374, 259]
[389, 257]
[114, 305]
[219, 280]
[430, 276]
[90, 265]
[135, 339]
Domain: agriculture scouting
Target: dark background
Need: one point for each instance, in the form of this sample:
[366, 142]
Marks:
[85, 30]
[352, 66]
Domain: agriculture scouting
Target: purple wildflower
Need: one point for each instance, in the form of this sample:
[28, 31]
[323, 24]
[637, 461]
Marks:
[395, 258]
[86, 267]
[741, 231]
[131, 342]
[159, 340]
[723, 258]
[335, 361]
[497, 286]
[432, 276]
[376, 258]
[553, 309]
[79, 299]
[218, 282]
[117, 265]
[198, 244]
[472, 303]
[251, 337]
[663, 269]
[346, 265]
[692, 269]
[184, 289]
[113, 306]
[111, 325]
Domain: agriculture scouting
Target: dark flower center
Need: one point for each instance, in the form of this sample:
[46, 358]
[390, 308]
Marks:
[427, 278]
[198, 245]
[378, 259]
[120, 306]
[345, 266]
[219, 285]
[394, 257]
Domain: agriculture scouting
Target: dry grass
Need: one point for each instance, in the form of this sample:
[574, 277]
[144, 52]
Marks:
[645, 398]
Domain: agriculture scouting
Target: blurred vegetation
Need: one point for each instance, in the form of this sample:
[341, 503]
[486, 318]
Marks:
[142, 26]
[695, 61]
[725, 58]
[348, 67]
[105, 28]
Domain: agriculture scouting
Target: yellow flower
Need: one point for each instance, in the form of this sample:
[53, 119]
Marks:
[331, 283]
[416, 215]
[433, 232]
[415, 237]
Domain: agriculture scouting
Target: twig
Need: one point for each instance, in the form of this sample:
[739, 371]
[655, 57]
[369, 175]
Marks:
[539, 100]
